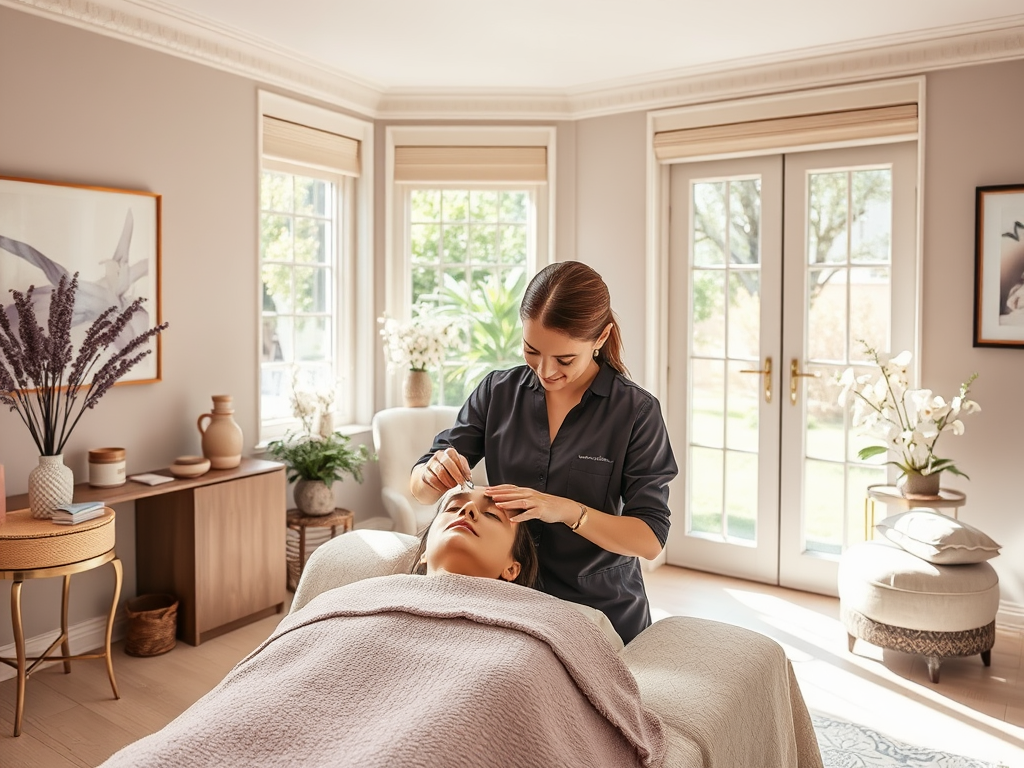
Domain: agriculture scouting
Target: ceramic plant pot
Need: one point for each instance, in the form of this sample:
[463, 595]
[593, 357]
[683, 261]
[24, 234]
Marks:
[49, 485]
[916, 484]
[416, 389]
[314, 497]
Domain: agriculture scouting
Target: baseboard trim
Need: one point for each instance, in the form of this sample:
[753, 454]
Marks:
[1010, 615]
[83, 637]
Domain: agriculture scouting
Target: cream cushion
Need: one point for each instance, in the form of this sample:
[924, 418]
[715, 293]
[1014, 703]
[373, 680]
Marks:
[891, 586]
[937, 538]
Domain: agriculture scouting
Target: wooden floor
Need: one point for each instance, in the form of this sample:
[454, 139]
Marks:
[975, 711]
[71, 720]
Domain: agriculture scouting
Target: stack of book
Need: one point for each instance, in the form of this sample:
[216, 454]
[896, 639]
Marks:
[70, 514]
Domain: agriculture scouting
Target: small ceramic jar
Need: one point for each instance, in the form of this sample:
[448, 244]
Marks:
[106, 467]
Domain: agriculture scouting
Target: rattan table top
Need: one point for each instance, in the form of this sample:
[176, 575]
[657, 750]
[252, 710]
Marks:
[28, 543]
[338, 517]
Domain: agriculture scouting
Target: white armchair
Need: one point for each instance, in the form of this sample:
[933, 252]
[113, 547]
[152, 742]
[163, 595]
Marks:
[400, 436]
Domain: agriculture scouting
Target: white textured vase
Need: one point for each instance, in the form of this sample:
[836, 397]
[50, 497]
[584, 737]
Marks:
[49, 485]
[416, 389]
[313, 497]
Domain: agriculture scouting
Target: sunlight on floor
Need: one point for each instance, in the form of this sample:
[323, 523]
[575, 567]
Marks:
[883, 690]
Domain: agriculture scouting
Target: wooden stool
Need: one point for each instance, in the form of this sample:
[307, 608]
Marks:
[339, 518]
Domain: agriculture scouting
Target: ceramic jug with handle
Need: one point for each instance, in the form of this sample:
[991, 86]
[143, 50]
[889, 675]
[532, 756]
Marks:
[222, 437]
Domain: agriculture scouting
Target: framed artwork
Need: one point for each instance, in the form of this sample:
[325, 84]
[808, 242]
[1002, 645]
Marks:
[110, 237]
[999, 266]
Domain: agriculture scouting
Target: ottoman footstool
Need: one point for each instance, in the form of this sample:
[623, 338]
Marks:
[896, 600]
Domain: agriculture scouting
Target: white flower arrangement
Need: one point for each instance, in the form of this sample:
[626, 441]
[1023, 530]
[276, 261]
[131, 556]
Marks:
[420, 343]
[909, 422]
[311, 406]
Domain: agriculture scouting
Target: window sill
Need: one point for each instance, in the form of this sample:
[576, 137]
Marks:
[349, 430]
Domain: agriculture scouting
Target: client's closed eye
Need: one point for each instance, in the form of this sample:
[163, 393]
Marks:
[491, 514]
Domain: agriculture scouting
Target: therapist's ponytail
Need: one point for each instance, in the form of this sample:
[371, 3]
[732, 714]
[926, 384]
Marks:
[571, 297]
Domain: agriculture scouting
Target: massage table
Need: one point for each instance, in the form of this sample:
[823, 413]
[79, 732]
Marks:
[727, 696]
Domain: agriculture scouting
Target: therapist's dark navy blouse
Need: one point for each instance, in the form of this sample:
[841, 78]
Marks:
[611, 453]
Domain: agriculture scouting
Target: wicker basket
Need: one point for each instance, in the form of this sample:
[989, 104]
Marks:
[152, 624]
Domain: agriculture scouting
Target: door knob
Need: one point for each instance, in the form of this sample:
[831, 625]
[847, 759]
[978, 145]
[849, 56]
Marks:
[767, 373]
[794, 376]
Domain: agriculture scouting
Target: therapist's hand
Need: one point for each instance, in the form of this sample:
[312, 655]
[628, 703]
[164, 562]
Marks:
[446, 469]
[527, 504]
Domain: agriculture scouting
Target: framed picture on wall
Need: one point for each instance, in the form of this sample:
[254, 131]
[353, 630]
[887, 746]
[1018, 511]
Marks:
[110, 237]
[999, 266]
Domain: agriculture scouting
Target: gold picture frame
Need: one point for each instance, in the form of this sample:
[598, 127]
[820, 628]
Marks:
[111, 237]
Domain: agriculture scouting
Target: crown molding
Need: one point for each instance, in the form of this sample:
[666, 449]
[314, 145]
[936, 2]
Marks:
[157, 25]
[892, 58]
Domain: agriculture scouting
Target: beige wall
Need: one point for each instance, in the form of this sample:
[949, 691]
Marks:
[973, 138]
[83, 108]
[611, 188]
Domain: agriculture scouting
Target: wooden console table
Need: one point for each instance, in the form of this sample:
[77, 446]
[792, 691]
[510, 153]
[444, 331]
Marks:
[216, 542]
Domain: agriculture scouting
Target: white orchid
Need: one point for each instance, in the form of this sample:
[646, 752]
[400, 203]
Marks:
[420, 343]
[908, 422]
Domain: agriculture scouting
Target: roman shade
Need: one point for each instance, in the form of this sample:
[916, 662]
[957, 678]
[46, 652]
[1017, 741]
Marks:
[470, 164]
[295, 143]
[894, 122]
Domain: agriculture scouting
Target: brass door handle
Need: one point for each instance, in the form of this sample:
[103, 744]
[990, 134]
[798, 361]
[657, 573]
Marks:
[767, 373]
[794, 375]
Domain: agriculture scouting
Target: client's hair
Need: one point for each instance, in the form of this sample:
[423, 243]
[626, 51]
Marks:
[523, 550]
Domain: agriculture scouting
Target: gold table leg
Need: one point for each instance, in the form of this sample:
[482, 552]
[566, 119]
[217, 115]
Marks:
[19, 650]
[65, 646]
[110, 624]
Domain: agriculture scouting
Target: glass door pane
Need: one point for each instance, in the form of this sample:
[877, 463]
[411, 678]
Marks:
[724, 402]
[845, 212]
[726, 260]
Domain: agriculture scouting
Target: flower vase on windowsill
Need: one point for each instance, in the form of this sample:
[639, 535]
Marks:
[417, 346]
[416, 389]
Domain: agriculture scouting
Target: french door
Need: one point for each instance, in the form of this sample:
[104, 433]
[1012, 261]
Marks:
[783, 269]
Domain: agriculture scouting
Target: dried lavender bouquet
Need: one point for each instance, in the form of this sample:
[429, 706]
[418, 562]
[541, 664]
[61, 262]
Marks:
[41, 378]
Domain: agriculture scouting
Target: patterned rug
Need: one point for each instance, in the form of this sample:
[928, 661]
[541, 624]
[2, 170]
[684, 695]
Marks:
[848, 745]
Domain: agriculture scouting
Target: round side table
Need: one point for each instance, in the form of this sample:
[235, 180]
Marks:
[41, 549]
[339, 518]
[948, 498]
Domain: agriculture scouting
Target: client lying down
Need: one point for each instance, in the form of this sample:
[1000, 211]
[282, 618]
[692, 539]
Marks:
[464, 667]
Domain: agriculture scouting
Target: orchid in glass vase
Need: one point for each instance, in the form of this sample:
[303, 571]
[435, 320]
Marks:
[908, 422]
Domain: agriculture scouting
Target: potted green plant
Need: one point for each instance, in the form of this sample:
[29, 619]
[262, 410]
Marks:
[314, 462]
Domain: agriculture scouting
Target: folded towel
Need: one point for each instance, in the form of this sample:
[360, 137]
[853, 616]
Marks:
[150, 479]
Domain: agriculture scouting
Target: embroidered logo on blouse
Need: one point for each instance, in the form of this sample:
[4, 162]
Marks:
[596, 458]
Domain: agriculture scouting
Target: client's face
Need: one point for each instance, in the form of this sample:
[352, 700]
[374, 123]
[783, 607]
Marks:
[473, 537]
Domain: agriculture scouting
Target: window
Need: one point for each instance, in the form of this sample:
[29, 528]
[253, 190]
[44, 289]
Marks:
[470, 227]
[315, 259]
[299, 237]
[468, 254]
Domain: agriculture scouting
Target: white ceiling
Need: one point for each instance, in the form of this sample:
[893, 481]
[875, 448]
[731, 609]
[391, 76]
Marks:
[559, 46]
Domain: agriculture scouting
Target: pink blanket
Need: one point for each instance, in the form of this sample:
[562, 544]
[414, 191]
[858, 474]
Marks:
[419, 671]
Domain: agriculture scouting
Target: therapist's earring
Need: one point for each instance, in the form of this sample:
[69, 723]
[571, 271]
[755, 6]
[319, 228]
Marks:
[423, 559]
[598, 349]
